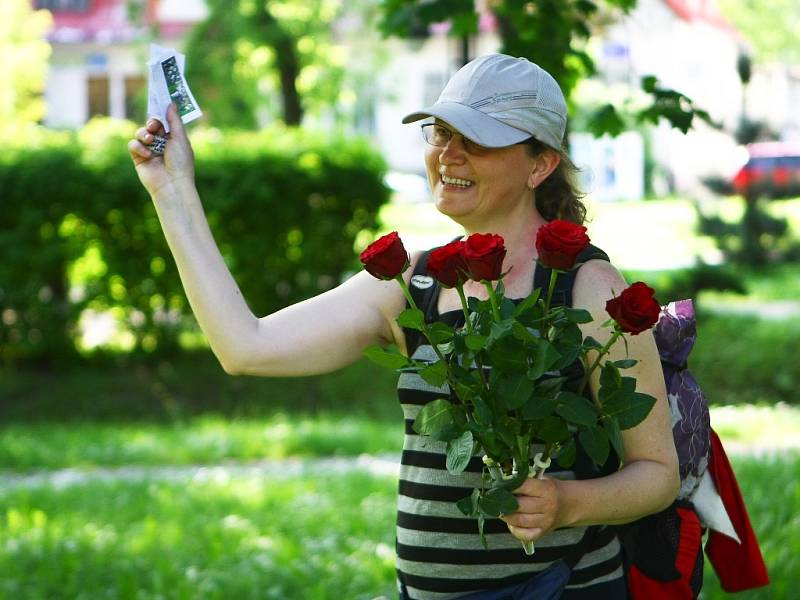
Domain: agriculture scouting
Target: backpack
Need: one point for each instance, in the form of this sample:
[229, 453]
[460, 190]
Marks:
[662, 553]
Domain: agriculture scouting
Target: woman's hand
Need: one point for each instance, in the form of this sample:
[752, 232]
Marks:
[156, 171]
[539, 511]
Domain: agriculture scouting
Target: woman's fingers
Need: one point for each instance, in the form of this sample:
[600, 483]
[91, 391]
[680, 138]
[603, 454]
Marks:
[155, 127]
[144, 136]
[175, 123]
[136, 147]
[526, 534]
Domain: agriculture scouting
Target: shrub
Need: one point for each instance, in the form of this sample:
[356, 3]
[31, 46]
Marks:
[79, 232]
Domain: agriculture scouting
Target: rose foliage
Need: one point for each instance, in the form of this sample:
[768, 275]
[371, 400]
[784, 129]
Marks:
[497, 371]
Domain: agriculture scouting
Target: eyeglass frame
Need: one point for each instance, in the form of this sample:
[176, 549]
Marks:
[470, 147]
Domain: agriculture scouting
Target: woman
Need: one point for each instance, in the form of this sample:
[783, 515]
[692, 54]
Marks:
[489, 175]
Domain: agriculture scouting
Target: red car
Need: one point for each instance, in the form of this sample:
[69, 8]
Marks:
[772, 170]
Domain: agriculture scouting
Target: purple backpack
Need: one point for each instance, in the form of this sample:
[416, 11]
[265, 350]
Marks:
[675, 333]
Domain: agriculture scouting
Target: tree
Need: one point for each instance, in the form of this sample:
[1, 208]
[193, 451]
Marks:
[771, 27]
[257, 59]
[552, 31]
[25, 53]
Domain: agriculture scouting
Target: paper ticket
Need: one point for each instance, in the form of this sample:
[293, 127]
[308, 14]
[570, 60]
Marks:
[168, 84]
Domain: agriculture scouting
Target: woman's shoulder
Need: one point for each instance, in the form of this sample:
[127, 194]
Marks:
[596, 282]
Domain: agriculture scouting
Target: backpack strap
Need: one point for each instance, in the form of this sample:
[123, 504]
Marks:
[424, 290]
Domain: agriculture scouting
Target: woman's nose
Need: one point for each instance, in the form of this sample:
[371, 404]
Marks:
[453, 149]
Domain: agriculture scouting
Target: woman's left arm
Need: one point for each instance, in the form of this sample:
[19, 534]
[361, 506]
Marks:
[648, 481]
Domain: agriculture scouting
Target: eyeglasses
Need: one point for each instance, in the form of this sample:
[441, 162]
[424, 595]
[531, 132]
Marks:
[438, 135]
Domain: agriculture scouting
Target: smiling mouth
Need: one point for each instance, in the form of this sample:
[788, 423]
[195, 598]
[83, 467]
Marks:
[455, 181]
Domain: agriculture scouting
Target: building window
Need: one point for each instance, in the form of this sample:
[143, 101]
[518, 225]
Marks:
[63, 5]
[98, 95]
[134, 97]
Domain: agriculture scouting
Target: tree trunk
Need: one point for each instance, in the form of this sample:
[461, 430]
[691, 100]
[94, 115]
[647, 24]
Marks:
[286, 60]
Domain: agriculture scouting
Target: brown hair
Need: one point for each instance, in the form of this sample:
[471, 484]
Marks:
[558, 196]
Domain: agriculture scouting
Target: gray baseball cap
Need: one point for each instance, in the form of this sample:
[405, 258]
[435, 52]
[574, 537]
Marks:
[498, 100]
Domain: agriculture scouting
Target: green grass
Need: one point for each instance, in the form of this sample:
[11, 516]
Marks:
[757, 426]
[199, 440]
[310, 537]
[772, 493]
[306, 538]
[745, 359]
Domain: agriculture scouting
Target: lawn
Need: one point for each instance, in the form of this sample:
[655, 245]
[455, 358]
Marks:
[310, 536]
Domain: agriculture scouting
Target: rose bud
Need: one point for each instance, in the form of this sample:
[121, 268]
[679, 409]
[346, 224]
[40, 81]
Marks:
[484, 253]
[447, 264]
[635, 310]
[386, 257]
[559, 243]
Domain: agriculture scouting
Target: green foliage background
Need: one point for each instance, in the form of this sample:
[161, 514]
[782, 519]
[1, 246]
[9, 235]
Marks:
[79, 232]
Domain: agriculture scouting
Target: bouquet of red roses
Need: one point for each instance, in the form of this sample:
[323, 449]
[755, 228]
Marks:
[498, 367]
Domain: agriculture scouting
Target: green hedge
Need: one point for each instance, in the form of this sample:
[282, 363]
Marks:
[78, 232]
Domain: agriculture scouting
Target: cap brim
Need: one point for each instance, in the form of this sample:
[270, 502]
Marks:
[472, 123]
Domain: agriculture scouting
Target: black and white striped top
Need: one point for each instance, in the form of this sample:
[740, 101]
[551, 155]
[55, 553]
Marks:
[439, 552]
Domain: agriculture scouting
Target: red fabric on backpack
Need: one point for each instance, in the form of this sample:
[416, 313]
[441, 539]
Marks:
[738, 566]
[642, 587]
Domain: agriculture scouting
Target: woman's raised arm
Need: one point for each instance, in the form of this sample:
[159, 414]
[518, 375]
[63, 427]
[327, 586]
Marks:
[318, 335]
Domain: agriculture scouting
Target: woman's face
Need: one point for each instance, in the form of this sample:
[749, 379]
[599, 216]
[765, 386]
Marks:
[475, 185]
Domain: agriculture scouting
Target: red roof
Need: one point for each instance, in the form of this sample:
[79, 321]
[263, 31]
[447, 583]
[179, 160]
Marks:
[106, 21]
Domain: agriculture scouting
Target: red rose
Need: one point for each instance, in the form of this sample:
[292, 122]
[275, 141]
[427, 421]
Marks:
[386, 257]
[484, 253]
[559, 243]
[447, 264]
[635, 309]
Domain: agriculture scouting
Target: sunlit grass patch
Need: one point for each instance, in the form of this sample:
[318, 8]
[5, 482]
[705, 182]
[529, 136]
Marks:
[771, 490]
[757, 425]
[202, 439]
[311, 538]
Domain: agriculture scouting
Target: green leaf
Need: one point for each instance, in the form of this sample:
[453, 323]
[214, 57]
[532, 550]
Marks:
[498, 501]
[522, 333]
[483, 411]
[459, 451]
[576, 409]
[514, 390]
[629, 408]
[539, 407]
[447, 348]
[475, 341]
[439, 333]
[590, 342]
[507, 308]
[548, 354]
[528, 302]
[625, 364]
[552, 429]
[435, 374]
[412, 318]
[506, 435]
[501, 330]
[578, 315]
[433, 416]
[508, 355]
[615, 437]
[385, 358]
[469, 505]
[567, 454]
[448, 432]
[595, 442]
[610, 377]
